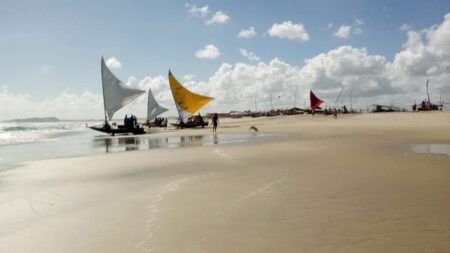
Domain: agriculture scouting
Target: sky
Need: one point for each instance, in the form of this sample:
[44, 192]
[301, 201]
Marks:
[239, 52]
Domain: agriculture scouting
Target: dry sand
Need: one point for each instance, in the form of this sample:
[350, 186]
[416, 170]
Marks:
[319, 185]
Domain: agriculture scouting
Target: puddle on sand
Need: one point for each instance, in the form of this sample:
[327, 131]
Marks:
[431, 149]
[147, 142]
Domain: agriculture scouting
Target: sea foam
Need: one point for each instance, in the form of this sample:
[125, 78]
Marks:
[16, 133]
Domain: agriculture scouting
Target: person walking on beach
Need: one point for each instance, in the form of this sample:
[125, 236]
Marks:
[335, 113]
[215, 121]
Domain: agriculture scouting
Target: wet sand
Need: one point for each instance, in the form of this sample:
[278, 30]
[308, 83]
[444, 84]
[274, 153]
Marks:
[317, 185]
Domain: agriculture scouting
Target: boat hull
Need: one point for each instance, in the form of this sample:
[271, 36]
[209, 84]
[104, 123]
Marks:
[153, 124]
[189, 125]
[114, 131]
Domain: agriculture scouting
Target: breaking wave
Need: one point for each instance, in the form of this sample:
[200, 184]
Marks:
[16, 133]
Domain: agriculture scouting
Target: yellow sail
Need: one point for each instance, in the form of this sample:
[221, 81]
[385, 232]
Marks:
[186, 101]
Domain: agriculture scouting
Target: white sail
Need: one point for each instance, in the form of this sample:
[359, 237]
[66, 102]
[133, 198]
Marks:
[116, 94]
[153, 109]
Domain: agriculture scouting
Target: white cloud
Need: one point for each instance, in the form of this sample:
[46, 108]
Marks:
[345, 31]
[425, 56]
[46, 69]
[405, 27]
[131, 81]
[330, 25]
[247, 33]
[439, 36]
[358, 22]
[236, 86]
[371, 78]
[289, 30]
[350, 67]
[357, 30]
[66, 106]
[208, 52]
[249, 55]
[200, 12]
[113, 63]
[188, 77]
[218, 18]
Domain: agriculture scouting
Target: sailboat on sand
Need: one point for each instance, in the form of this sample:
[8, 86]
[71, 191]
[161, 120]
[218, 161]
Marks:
[427, 105]
[315, 102]
[153, 109]
[116, 95]
[187, 103]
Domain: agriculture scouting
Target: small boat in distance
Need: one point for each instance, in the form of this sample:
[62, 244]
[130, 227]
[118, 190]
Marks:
[187, 103]
[426, 105]
[153, 109]
[315, 102]
[116, 95]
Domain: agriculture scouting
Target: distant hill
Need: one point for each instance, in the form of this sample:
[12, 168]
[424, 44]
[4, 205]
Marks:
[43, 119]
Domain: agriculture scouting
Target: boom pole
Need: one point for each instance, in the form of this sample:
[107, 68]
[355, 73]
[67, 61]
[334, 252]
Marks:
[295, 96]
[351, 108]
[271, 105]
[339, 96]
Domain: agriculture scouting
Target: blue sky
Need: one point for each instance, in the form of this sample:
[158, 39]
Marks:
[50, 47]
[151, 36]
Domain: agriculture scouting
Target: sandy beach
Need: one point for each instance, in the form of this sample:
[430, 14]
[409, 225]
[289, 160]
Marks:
[313, 184]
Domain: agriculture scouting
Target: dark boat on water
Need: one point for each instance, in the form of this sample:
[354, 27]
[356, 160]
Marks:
[192, 122]
[115, 96]
[158, 122]
[119, 130]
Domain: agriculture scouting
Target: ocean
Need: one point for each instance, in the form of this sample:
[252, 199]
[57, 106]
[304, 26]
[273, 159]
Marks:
[28, 141]
[28, 132]
[31, 141]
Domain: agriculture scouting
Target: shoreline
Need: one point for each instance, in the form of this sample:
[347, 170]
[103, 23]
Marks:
[188, 139]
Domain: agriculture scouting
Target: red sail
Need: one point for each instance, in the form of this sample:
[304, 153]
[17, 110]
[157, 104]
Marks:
[315, 101]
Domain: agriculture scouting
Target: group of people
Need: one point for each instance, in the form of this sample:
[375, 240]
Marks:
[160, 121]
[130, 122]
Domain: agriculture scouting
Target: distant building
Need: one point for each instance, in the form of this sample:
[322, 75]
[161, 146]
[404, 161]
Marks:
[293, 111]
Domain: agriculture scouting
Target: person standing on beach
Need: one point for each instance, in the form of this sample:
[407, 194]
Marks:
[215, 121]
